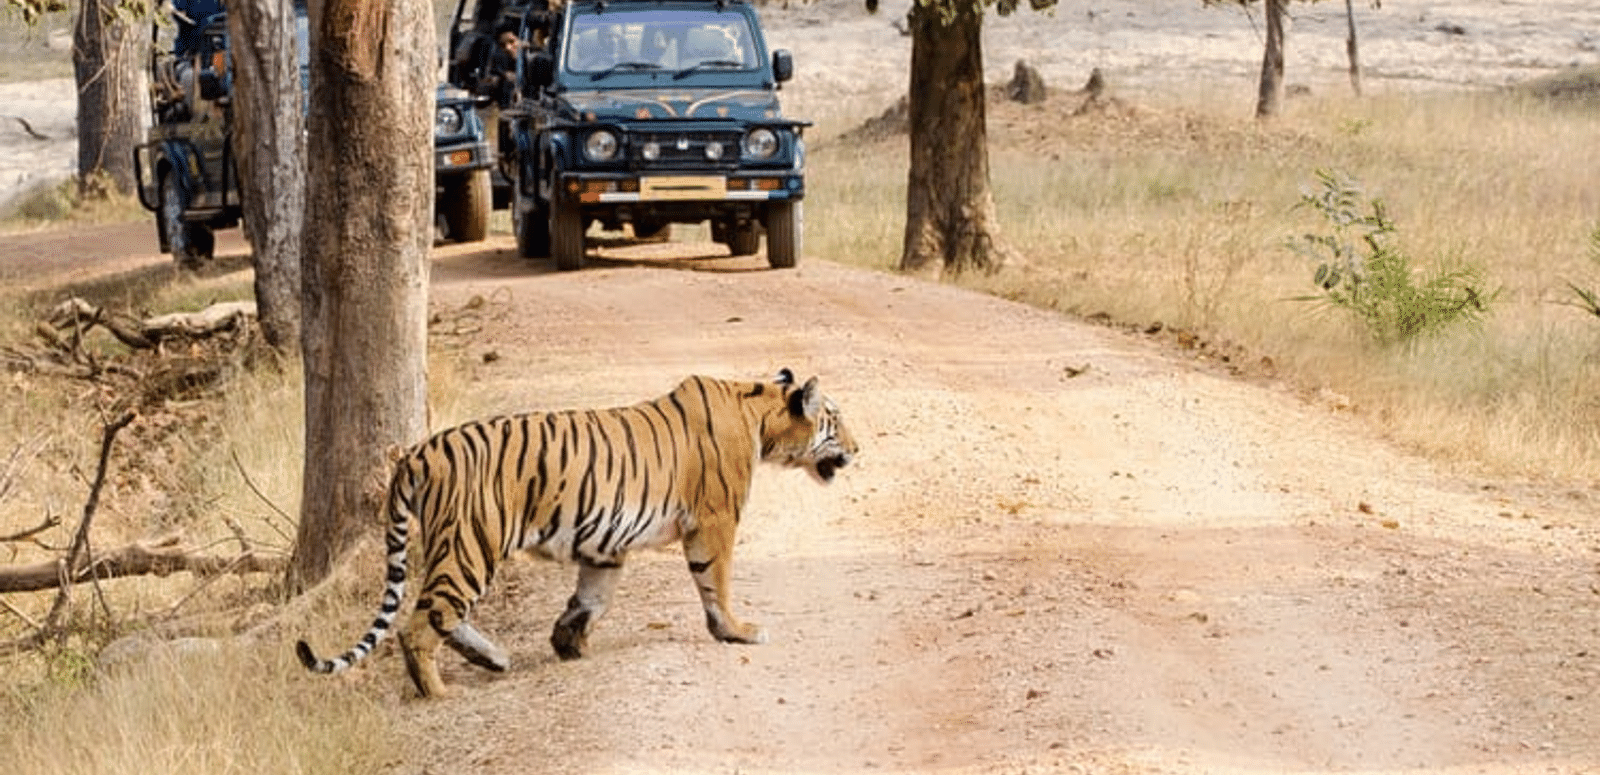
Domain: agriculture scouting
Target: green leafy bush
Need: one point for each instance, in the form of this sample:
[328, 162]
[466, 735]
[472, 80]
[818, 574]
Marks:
[1361, 271]
[1588, 300]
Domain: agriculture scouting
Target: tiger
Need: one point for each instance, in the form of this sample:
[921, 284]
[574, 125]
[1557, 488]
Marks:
[587, 486]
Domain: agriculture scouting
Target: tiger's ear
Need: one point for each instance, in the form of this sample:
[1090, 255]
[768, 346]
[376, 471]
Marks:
[785, 377]
[807, 401]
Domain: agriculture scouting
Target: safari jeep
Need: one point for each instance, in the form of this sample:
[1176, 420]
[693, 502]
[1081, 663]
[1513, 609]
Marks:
[186, 172]
[649, 113]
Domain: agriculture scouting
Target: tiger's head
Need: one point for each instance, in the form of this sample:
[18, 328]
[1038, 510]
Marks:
[811, 433]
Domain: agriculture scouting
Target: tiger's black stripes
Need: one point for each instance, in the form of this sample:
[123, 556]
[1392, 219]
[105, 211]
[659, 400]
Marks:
[590, 486]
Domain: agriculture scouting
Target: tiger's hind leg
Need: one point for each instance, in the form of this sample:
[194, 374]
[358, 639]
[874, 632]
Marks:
[596, 582]
[440, 618]
[419, 643]
[471, 644]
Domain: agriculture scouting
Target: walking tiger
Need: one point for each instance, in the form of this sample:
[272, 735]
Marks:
[587, 486]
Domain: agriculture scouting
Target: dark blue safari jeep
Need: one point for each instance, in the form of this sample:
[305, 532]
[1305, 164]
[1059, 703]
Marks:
[649, 113]
[186, 169]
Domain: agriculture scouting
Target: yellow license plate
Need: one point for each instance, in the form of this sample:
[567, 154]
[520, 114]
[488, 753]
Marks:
[684, 187]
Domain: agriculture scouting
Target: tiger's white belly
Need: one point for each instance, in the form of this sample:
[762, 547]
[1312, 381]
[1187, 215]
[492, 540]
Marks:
[605, 536]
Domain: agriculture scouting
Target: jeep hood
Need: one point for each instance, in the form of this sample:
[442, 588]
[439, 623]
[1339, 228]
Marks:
[671, 103]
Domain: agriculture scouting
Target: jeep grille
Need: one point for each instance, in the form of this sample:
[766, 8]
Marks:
[688, 149]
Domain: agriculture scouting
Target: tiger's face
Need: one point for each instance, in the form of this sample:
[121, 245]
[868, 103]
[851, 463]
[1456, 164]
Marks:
[813, 436]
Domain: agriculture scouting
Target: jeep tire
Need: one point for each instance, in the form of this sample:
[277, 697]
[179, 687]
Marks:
[465, 202]
[745, 239]
[785, 219]
[566, 236]
[652, 231]
[529, 223]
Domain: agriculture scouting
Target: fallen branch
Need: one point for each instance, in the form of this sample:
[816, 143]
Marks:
[50, 521]
[160, 557]
[80, 316]
[27, 127]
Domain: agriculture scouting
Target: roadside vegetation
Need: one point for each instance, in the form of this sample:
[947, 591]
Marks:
[1185, 216]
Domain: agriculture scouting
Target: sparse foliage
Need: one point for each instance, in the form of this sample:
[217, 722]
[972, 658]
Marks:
[1588, 300]
[1360, 270]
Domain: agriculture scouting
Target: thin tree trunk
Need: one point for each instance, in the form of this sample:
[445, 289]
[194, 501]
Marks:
[1351, 49]
[364, 335]
[1270, 97]
[950, 216]
[111, 84]
[268, 141]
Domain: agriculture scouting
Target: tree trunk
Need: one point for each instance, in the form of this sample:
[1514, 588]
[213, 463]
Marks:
[1270, 96]
[111, 84]
[365, 273]
[268, 124]
[950, 216]
[1351, 49]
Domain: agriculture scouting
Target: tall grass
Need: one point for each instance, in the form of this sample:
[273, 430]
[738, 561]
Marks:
[1181, 216]
[244, 710]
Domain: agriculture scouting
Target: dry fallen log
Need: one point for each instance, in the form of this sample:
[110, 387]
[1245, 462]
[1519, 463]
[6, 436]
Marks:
[79, 316]
[160, 557]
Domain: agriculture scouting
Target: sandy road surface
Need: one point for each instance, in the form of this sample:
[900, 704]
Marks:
[1144, 568]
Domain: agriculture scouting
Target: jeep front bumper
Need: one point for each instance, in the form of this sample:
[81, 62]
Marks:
[462, 157]
[590, 188]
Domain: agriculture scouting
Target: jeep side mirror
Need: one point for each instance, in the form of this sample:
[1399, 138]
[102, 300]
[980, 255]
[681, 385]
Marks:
[538, 71]
[782, 65]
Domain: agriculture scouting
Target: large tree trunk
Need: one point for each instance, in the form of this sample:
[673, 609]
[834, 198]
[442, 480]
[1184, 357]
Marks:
[111, 84]
[1270, 96]
[268, 138]
[370, 193]
[950, 216]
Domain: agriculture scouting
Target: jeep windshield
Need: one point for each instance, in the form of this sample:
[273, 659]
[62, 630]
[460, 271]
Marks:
[675, 40]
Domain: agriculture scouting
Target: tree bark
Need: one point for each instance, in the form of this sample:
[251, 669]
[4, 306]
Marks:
[951, 224]
[268, 140]
[1351, 49]
[111, 85]
[1270, 96]
[365, 274]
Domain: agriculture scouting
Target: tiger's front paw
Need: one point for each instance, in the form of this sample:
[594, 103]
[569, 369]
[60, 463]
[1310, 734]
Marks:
[569, 642]
[737, 632]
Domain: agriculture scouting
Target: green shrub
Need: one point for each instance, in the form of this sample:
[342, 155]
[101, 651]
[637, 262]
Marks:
[1588, 300]
[1360, 270]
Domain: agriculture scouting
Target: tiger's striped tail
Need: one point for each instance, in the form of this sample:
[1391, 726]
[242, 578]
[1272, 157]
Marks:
[401, 492]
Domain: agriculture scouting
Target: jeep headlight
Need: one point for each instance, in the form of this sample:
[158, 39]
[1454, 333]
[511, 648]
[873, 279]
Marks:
[446, 120]
[601, 145]
[761, 143]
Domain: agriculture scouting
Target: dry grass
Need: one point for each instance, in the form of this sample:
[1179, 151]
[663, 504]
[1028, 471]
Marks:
[241, 710]
[1181, 215]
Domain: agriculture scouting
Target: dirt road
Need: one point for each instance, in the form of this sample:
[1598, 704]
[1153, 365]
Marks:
[1064, 548]
[1147, 567]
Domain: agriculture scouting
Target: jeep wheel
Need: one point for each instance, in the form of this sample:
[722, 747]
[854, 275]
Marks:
[652, 231]
[785, 224]
[189, 244]
[566, 236]
[530, 224]
[744, 240]
[465, 202]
